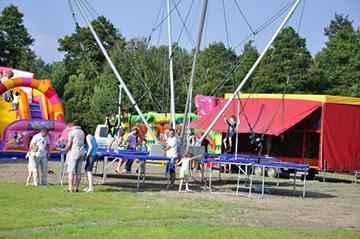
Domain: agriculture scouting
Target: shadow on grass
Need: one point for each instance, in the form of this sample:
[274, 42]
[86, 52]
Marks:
[157, 182]
[270, 189]
[152, 184]
[333, 180]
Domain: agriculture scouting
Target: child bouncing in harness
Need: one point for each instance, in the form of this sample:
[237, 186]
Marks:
[230, 136]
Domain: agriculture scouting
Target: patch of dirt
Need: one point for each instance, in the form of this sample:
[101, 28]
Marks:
[327, 204]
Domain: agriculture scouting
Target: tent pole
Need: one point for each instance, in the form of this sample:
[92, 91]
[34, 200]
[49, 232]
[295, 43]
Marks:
[193, 70]
[172, 91]
[246, 78]
[117, 74]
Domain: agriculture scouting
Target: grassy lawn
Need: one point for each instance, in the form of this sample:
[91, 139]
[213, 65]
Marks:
[48, 212]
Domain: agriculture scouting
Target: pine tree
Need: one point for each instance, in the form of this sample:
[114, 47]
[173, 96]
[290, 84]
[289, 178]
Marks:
[287, 59]
[339, 61]
[17, 40]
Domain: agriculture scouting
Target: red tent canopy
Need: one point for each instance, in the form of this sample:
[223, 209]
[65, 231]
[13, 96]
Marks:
[266, 116]
[340, 141]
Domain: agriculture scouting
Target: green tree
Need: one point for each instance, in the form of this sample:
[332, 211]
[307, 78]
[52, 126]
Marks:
[339, 61]
[214, 64]
[59, 76]
[77, 100]
[288, 58]
[247, 58]
[17, 40]
[3, 48]
[82, 54]
[104, 100]
[338, 24]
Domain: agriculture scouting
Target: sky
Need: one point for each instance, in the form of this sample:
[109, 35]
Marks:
[49, 20]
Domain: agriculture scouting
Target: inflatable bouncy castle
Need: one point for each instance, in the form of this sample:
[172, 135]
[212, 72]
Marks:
[39, 106]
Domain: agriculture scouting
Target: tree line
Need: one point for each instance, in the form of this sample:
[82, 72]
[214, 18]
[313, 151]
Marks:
[89, 89]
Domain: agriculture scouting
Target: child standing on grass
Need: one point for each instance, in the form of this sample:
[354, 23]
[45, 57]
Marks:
[33, 166]
[184, 170]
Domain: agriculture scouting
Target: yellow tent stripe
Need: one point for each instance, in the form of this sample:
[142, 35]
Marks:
[319, 98]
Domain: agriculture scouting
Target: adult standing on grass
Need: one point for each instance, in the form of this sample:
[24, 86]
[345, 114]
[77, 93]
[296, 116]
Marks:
[90, 159]
[75, 148]
[171, 152]
[41, 142]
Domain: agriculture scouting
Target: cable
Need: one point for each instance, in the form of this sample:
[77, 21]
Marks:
[163, 20]
[73, 14]
[265, 24]
[194, 19]
[158, 14]
[184, 27]
[243, 15]
[184, 24]
[226, 27]
[301, 17]
[231, 72]
[153, 97]
[163, 13]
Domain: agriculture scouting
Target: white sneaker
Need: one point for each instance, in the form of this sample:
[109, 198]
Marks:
[108, 150]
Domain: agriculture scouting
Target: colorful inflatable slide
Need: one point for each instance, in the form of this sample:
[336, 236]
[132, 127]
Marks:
[39, 106]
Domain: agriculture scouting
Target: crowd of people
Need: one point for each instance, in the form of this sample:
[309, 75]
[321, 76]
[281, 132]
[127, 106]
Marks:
[79, 147]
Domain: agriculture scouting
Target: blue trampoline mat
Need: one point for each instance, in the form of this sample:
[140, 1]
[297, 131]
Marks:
[241, 156]
[121, 152]
[239, 160]
[133, 156]
[284, 165]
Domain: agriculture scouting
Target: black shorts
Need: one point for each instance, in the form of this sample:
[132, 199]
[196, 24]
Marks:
[89, 163]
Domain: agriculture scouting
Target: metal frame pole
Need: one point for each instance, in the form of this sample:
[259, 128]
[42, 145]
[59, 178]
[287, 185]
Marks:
[247, 77]
[117, 74]
[193, 70]
[172, 90]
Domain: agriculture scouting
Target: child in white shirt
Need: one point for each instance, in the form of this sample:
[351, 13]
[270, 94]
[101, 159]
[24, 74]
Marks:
[184, 170]
[33, 165]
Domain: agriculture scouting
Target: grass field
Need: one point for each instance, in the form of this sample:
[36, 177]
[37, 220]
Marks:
[48, 212]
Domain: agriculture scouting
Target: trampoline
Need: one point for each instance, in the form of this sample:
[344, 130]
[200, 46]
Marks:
[134, 155]
[246, 171]
[284, 165]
